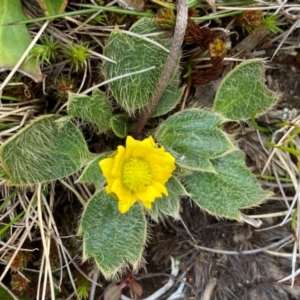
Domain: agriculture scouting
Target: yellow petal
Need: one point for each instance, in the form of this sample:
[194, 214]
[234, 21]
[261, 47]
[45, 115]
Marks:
[148, 194]
[160, 187]
[160, 162]
[149, 141]
[148, 205]
[123, 207]
[123, 193]
[144, 148]
[162, 166]
[131, 144]
[118, 162]
[108, 189]
[106, 165]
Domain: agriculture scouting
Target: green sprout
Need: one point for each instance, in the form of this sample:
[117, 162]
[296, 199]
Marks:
[46, 51]
[82, 284]
[83, 288]
[251, 20]
[270, 22]
[77, 54]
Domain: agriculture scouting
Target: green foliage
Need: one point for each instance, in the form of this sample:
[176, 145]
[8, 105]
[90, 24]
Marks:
[170, 98]
[77, 54]
[14, 40]
[52, 7]
[210, 170]
[4, 295]
[92, 173]
[271, 22]
[135, 54]
[115, 240]
[119, 125]
[43, 151]
[5, 228]
[231, 188]
[45, 52]
[193, 137]
[242, 92]
[169, 205]
[216, 178]
[82, 287]
[95, 109]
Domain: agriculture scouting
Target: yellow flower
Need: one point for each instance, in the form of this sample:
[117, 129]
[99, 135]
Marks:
[137, 172]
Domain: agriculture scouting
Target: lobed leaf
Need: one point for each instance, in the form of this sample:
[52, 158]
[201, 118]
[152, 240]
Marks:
[242, 92]
[135, 54]
[114, 240]
[44, 150]
[92, 173]
[228, 190]
[95, 109]
[193, 137]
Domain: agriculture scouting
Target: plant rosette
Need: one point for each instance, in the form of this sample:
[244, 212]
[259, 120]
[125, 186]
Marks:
[188, 154]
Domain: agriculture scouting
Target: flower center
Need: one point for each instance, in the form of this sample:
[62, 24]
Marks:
[136, 174]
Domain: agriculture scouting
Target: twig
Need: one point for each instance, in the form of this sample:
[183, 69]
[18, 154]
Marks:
[246, 252]
[209, 289]
[181, 22]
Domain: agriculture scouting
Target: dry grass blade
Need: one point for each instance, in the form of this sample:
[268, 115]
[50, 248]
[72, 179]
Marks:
[23, 57]
[46, 240]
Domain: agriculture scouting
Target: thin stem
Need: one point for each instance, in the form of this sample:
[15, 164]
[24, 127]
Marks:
[181, 23]
[245, 252]
[91, 9]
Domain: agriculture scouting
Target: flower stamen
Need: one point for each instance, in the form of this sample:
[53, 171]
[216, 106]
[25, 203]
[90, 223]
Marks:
[136, 174]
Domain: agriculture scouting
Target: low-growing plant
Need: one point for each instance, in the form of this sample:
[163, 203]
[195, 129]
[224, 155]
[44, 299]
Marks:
[77, 55]
[47, 51]
[251, 20]
[187, 155]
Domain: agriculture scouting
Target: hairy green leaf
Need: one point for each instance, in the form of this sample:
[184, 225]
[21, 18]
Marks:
[44, 150]
[119, 125]
[170, 98]
[228, 190]
[136, 54]
[95, 109]
[114, 240]
[193, 137]
[242, 92]
[15, 39]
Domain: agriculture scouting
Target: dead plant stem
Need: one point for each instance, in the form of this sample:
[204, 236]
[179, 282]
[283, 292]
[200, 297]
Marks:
[181, 22]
